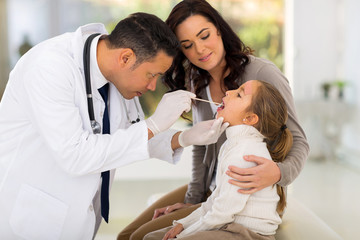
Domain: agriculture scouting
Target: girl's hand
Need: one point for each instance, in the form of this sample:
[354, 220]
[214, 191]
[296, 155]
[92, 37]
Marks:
[173, 232]
[166, 210]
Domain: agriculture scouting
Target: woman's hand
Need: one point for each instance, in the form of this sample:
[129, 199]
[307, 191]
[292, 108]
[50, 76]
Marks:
[253, 179]
[173, 232]
[166, 210]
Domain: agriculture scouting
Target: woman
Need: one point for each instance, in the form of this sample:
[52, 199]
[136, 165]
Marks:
[257, 115]
[213, 60]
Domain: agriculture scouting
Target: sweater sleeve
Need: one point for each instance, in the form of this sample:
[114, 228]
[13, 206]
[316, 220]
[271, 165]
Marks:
[295, 160]
[196, 192]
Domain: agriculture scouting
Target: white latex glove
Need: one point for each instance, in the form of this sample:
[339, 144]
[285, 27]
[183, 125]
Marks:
[169, 109]
[203, 133]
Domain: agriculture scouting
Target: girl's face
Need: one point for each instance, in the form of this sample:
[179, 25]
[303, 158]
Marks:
[201, 43]
[236, 102]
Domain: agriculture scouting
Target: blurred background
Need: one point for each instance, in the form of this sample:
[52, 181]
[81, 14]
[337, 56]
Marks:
[314, 42]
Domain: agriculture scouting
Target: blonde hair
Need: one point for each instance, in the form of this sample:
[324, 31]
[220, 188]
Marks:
[270, 107]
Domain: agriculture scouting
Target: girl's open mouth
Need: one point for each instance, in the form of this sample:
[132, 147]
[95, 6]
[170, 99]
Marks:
[221, 106]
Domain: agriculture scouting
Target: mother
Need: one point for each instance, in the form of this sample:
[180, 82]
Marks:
[213, 60]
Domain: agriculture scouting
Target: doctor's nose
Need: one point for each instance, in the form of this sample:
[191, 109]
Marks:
[152, 85]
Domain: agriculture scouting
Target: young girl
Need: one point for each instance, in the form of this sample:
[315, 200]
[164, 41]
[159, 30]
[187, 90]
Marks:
[257, 114]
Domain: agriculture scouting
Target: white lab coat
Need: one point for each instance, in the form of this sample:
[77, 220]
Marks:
[50, 162]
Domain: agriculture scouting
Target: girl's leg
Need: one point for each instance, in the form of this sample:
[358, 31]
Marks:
[162, 222]
[178, 195]
[157, 235]
[232, 231]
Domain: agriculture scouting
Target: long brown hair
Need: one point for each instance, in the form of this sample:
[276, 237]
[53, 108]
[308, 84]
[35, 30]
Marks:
[236, 52]
[271, 109]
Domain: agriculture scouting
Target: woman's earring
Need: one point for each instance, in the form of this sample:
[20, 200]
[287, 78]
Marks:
[244, 120]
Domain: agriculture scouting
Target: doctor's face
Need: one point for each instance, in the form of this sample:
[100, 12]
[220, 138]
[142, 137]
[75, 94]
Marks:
[132, 82]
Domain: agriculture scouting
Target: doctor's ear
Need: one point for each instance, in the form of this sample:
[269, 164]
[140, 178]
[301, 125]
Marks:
[126, 57]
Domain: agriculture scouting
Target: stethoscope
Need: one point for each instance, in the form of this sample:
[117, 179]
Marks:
[95, 126]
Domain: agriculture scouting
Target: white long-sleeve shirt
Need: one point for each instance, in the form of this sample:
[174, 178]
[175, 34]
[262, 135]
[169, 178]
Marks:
[256, 211]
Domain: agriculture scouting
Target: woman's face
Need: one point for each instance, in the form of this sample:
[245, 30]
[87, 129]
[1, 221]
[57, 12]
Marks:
[236, 102]
[201, 43]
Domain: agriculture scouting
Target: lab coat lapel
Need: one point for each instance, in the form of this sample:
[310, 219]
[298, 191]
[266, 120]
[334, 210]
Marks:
[81, 35]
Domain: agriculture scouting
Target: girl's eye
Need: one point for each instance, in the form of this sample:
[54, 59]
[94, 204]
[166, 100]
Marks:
[187, 46]
[239, 95]
[205, 37]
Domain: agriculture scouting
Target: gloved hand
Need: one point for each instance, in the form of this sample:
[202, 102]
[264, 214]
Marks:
[203, 133]
[169, 109]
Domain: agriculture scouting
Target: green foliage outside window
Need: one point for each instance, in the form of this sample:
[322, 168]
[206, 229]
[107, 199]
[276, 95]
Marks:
[265, 37]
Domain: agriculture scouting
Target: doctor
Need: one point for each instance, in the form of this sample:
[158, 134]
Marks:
[53, 163]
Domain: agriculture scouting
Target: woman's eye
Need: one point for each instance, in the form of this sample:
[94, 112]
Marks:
[239, 95]
[205, 37]
[187, 46]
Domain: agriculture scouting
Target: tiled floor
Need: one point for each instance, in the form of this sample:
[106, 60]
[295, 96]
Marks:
[329, 189]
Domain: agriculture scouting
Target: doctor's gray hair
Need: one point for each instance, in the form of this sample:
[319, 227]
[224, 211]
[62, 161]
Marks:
[146, 35]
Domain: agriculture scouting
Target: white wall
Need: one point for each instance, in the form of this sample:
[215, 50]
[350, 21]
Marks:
[322, 45]
[314, 37]
[351, 47]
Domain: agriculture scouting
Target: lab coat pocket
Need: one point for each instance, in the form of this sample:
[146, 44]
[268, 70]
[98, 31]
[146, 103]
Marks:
[37, 215]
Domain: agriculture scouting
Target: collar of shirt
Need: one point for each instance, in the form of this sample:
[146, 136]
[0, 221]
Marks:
[96, 76]
[242, 131]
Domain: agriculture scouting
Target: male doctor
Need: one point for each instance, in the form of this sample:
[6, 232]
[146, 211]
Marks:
[52, 164]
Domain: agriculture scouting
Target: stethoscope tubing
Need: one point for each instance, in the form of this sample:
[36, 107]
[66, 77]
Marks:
[86, 61]
[95, 126]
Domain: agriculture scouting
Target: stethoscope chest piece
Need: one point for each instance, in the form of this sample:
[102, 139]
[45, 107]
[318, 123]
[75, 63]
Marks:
[95, 126]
